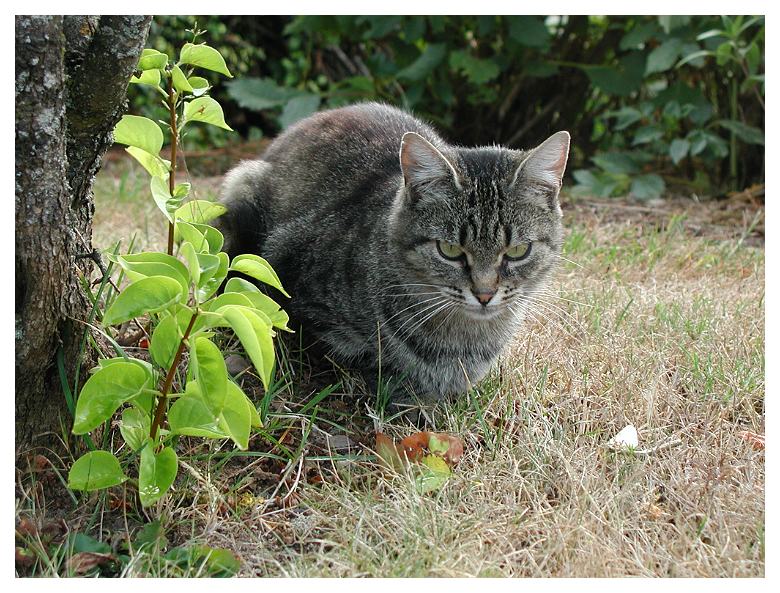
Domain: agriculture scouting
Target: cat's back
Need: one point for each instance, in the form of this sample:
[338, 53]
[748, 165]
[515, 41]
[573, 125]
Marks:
[340, 157]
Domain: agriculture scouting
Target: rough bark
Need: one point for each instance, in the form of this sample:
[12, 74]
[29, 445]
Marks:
[71, 80]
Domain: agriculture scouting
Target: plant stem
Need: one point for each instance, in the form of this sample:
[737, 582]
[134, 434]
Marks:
[733, 138]
[159, 412]
[174, 146]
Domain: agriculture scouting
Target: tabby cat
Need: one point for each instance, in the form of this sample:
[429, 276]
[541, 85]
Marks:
[399, 249]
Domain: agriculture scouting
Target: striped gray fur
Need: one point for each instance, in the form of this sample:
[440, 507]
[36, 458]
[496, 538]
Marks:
[348, 207]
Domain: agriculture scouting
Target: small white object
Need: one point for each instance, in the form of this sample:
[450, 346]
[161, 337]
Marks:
[625, 439]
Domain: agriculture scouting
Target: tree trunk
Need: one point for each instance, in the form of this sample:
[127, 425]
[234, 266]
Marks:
[71, 79]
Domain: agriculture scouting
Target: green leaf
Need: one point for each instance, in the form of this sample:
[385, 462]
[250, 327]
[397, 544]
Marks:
[81, 542]
[94, 471]
[210, 286]
[434, 473]
[647, 134]
[140, 132]
[624, 117]
[187, 251]
[229, 298]
[209, 265]
[180, 82]
[151, 59]
[182, 190]
[672, 22]
[134, 427]
[477, 70]
[212, 562]
[678, 149]
[664, 56]
[529, 31]
[259, 301]
[425, 64]
[149, 77]
[185, 231]
[200, 211]
[210, 372]
[199, 85]
[156, 473]
[617, 162]
[698, 142]
[601, 185]
[190, 416]
[646, 187]
[214, 238]
[623, 78]
[259, 93]
[710, 33]
[235, 418]
[154, 165]
[206, 110]
[163, 198]
[694, 56]
[298, 108]
[724, 53]
[148, 295]
[153, 263]
[744, 132]
[638, 35]
[255, 336]
[105, 391]
[165, 341]
[438, 446]
[259, 269]
[204, 56]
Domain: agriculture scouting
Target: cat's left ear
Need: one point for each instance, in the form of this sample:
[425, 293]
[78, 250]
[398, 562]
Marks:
[546, 164]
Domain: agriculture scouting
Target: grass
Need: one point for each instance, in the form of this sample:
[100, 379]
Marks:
[653, 326]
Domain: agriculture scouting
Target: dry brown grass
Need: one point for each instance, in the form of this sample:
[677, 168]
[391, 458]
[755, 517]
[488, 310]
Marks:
[654, 327]
[537, 493]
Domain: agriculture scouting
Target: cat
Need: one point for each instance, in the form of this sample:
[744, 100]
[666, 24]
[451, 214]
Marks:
[397, 248]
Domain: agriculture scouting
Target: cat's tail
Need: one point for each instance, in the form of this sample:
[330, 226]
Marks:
[245, 193]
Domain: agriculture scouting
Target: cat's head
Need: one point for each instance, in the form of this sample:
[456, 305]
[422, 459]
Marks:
[482, 226]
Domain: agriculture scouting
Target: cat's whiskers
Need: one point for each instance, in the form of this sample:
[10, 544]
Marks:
[566, 259]
[544, 310]
[437, 301]
[550, 293]
[413, 305]
[562, 318]
[442, 307]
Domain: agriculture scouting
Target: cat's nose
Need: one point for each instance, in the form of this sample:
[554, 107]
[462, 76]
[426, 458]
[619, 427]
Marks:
[484, 296]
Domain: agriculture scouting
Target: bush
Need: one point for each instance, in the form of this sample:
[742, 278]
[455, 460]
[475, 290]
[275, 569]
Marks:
[651, 101]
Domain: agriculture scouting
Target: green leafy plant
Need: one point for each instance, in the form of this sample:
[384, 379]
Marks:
[649, 100]
[176, 292]
[666, 128]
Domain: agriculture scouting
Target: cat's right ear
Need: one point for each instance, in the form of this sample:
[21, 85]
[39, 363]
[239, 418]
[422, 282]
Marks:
[422, 163]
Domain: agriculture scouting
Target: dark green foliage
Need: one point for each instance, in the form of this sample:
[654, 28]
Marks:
[680, 96]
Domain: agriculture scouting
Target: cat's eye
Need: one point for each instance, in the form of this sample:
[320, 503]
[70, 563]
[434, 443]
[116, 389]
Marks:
[518, 252]
[450, 250]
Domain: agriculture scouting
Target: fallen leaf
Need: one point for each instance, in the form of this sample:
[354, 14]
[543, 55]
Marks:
[434, 472]
[387, 451]
[758, 441]
[655, 512]
[414, 445]
[40, 463]
[83, 562]
[24, 557]
[446, 445]
[26, 528]
[625, 439]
